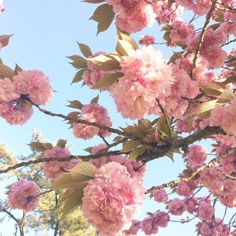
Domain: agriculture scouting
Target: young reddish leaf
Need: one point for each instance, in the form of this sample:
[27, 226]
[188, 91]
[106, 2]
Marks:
[61, 143]
[4, 40]
[78, 77]
[95, 100]
[17, 69]
[5, 71]
[85, 49]
[75, 104]
[129, 145]
[78, 62]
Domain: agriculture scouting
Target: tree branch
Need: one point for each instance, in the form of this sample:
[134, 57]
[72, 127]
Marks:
[60, 159]
[161, 151]
[174, 183]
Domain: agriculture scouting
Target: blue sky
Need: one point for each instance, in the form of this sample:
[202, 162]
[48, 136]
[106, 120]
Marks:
[45, 32]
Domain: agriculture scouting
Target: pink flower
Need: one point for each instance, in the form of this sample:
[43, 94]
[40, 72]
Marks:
[185, 188]
[54, 168]
[205, 211]
[181, 32]
[150, 225]
[96, 114]
[93, 75]
[84, 131]
[137, 19]
[146, 78]
[7, 90]
[23, 195]
[176, 207]
[182, 87]
[212, 179]
[33, 84]
[134, 228]
[196, 156]
[167, 12]
[191, 204]
[225, 117]
[147, 40]
[111, 199]
[17, 116]
[159, 195]
[136, 169]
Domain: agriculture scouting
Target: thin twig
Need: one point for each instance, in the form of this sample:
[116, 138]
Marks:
[199, 45]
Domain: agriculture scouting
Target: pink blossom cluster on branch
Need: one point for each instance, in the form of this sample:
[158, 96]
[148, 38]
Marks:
[18, 93]
[191, 95]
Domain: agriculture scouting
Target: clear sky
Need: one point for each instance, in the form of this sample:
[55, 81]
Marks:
[45, 32]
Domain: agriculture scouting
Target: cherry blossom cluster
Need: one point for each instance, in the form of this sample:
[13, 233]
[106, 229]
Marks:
[18, 94]
[112, 198]
[24, 194]
[93, 113]
[136, 169]
[147, 78]
[93, 75]
[133, 15]
[52, 168]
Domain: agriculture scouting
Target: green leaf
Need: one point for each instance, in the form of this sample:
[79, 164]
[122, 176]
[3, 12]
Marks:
[126, 37]
[129, 145]
[75, 104]
[78, 77]
[163, 127]
[226, 96]
[205, 107]
[85, 49]
[106, 62]
[64, 180]
[72, 203]
[104, 15]
[84, 170]
[136, 153]
[78, 62]
[145, 124]
[40, 147]
[212, 88]
[108, 80]
[124, 48]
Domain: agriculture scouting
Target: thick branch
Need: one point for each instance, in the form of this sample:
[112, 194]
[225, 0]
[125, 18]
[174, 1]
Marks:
[174, 183]
[180, 143]
[60, 159]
